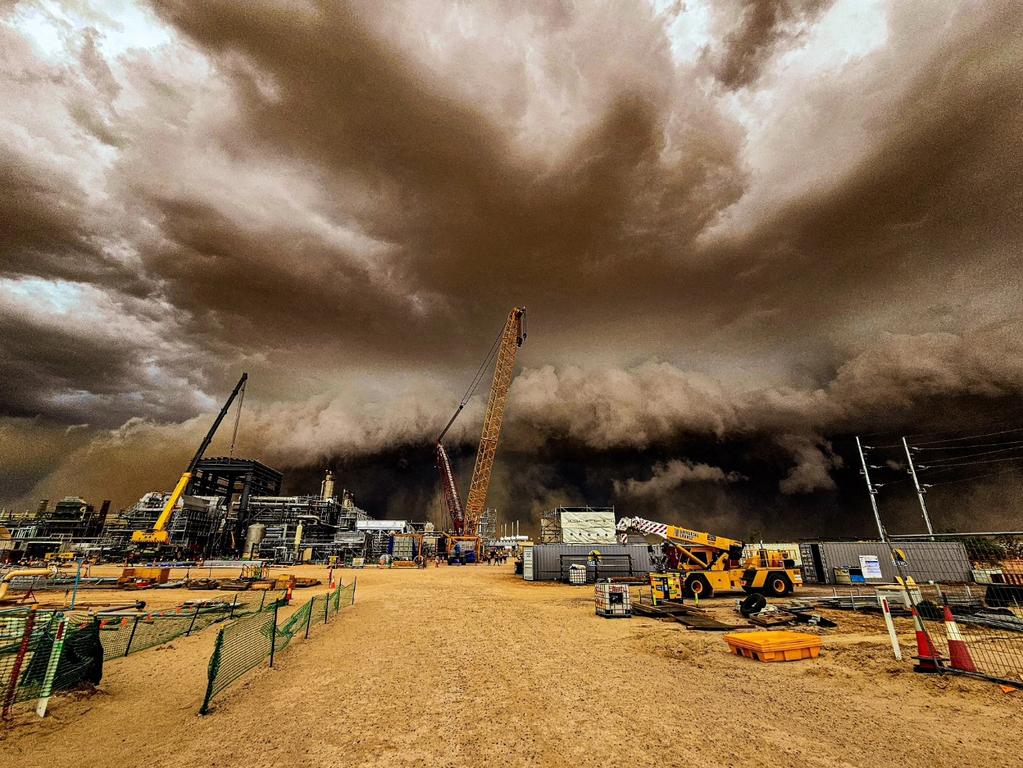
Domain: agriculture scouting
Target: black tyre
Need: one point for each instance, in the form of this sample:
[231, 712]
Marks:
[698, 587]
[777, 584]
[752, 604]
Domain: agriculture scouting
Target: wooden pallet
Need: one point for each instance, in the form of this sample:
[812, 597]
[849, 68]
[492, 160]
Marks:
[687, 616]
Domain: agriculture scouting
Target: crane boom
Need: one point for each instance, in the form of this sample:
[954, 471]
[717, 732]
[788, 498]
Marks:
[674, 534]
[504, 369]
[451, 500]
[159, 533]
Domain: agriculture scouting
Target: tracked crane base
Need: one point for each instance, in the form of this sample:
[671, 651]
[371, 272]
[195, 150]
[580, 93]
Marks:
[471, 666]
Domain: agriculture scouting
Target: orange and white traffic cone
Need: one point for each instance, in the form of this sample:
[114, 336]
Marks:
[958, 652]
[291, 588]
[330, 578]
[926, 654]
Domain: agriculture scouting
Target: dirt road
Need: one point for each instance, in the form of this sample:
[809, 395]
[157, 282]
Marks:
[457, 666]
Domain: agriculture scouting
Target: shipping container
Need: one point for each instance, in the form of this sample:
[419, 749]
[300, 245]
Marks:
[550, 562]
[871, 562]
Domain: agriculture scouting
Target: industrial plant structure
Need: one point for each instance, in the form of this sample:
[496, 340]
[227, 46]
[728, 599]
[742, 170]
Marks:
[72, 519]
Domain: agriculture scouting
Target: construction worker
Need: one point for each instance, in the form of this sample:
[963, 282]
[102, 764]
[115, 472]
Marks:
[595, 559]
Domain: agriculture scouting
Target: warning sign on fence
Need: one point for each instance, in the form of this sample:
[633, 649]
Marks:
[870, 566]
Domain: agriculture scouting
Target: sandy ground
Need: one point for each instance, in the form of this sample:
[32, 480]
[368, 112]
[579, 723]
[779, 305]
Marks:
[457, 666]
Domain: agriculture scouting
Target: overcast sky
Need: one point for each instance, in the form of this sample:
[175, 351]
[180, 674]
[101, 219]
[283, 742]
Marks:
[789, 218]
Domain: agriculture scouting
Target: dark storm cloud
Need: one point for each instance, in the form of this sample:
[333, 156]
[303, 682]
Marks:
[757, 29]
[935, 199]
[469, 218]
[261, 286]
[42, 231]
[47, 225]
[91, 366]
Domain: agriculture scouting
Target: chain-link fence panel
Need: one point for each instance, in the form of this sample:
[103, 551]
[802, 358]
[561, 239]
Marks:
[20, 636]
[81, 660]
[974, 625]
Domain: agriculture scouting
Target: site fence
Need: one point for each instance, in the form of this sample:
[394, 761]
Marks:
[974, 626]
[72, 646]
[968, 618]
[125, 634]
[43, 652]
[246, 643]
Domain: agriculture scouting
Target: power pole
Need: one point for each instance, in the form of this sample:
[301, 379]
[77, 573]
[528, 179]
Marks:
[871, 490]
[919, 490]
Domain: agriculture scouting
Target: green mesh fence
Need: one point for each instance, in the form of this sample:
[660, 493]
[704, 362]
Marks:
[347, 596]
[247, 642]
[122, 635]
[296, 624]
[26, 644]
[26, 640]
[240, 646]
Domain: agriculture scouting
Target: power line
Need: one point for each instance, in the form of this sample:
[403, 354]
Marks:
[1013, 415]
[971, 437]
[973, 455]
[942, 467]
[972, 477]
[964, 447]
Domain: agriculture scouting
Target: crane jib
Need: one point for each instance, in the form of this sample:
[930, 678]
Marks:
[159, 534]
[505, 347]
[504, 370]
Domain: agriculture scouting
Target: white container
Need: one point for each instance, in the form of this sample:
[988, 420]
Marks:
[612, 600]
[577, 574]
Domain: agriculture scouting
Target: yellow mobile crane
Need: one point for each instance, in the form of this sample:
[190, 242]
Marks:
[710, 563]
[159, 533]
[466, 522]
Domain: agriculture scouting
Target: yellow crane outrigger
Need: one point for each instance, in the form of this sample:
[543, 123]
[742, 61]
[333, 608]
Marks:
[159, 533]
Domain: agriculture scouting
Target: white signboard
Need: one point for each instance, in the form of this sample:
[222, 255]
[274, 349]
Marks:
[527, 563]
[588, 527]
[871, 567]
